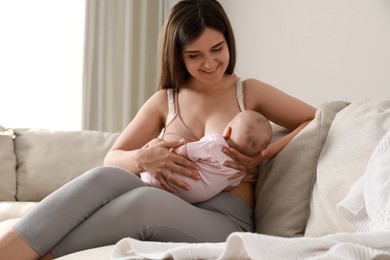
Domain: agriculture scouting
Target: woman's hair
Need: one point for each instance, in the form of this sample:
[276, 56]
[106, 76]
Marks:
[186, 22]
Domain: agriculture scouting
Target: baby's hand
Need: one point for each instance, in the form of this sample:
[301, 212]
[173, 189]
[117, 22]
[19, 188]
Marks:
[182, 150]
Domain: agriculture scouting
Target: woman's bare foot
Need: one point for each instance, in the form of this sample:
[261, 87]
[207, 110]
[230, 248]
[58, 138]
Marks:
[13, 246]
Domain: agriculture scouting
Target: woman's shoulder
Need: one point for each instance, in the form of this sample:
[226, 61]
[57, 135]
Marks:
[252, 82]
[157, 100]
[257, 93]
[255, 86]
[159, 95]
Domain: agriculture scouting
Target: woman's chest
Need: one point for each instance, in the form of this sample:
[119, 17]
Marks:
[205, 118]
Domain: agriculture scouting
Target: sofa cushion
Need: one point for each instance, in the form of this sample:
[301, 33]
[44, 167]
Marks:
[103, 252]
[14, 209]
[48, 159]
[7, 165]
[6, 224]
[352, 138]
[285, 182]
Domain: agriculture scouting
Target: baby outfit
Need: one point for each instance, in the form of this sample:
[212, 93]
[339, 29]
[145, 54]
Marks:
[207, 153]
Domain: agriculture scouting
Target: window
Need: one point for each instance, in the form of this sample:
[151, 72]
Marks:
[41, 63]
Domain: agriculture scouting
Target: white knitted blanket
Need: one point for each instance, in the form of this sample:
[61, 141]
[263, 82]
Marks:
[242, 245]
[367, 205]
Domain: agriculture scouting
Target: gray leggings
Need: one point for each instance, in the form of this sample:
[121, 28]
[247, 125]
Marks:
[107, 204]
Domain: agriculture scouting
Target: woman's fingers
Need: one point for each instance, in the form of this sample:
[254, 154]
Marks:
[165, 184]
[182, 161]
[173, 167]
[168, 180]
[235, 165]
[177, 170]
[237, 175]
[185, 167]
[247, 161]
[178, 182]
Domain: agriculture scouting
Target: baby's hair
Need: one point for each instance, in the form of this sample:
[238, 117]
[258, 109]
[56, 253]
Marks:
[254, 132]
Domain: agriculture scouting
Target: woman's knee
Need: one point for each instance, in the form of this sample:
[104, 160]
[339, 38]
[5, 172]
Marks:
[104, 177]
[145, 202]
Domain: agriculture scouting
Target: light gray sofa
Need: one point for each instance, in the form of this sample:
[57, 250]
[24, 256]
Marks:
[35, 162]
[296, 193]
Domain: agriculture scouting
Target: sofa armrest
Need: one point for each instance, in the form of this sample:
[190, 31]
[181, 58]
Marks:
[14, 209]
[7, 165]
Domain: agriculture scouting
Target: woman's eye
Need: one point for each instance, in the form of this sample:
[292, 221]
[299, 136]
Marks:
[217, 49]
[193, 56]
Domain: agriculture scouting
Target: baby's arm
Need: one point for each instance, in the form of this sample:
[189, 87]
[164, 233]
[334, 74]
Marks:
[153, 141]
[182, 150]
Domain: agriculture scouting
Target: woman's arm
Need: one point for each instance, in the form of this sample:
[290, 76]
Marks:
[275, 147]
[157, 159]
[279, 108]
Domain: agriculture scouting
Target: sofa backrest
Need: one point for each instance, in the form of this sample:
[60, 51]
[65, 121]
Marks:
[285, 182]
[41, 160]
[48, 159]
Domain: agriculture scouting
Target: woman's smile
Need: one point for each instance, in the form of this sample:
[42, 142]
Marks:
[210, 71]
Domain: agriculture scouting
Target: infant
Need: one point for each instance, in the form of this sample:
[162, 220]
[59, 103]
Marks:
[249, 132]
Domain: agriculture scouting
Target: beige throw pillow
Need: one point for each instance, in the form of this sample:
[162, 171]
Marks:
[285, 183]
[7, 165]
[48, 159]
[352, 138]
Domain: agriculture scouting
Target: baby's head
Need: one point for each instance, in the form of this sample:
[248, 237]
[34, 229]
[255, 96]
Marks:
[249, 132]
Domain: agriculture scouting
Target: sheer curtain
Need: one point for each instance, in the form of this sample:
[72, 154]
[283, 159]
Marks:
[121, 60]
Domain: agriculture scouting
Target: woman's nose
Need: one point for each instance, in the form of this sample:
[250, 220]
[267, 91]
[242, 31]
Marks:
[208, 61]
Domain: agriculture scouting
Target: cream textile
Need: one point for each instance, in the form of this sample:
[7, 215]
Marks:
[353, 136]
[241, 245]
[367, 205]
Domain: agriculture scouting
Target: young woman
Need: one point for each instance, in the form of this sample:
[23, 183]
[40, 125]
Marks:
[199, 94]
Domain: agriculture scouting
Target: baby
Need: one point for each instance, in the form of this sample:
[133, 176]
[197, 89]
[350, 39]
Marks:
[249, 132]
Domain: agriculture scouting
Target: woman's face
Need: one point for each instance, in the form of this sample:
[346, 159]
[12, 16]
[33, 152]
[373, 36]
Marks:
[207, 58]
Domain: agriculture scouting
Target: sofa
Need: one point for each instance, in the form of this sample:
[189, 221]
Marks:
[297, 192]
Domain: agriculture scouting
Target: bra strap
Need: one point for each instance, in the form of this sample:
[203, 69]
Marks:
[240, 95]
[171, 106]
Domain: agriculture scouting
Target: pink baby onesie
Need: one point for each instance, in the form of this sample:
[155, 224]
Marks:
[207, 153]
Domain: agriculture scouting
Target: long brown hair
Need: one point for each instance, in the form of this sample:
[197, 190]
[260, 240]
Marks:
[186, 22]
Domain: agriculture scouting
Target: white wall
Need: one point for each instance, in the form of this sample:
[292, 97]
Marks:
[316, 50]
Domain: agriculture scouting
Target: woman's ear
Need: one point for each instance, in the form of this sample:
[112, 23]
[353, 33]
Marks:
[227, 133]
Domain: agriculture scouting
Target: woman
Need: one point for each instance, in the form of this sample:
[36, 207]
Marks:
[199, 94]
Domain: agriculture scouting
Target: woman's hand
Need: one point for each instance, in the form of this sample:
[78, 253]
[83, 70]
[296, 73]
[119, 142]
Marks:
[246, 165]
[164, 165]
